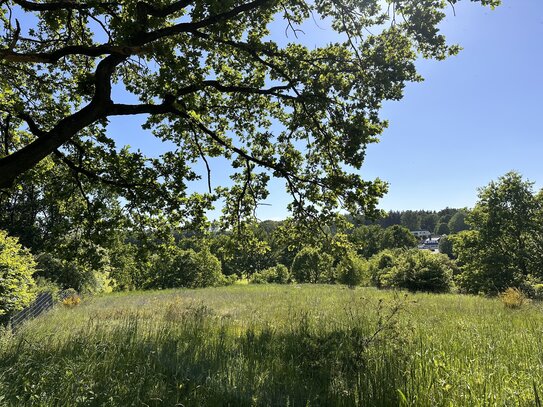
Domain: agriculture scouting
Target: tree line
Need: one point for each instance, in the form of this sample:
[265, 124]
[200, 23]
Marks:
[442, 222]
[94, 246]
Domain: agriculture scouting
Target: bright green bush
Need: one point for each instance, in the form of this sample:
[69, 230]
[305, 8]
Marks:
[380, 263]
[16, 283]
[352, 270]
[278, 274]
[263, 277]
[312, 266]
[187, 268]
[415, 270]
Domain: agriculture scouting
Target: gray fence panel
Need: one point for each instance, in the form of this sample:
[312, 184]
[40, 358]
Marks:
[42, 303]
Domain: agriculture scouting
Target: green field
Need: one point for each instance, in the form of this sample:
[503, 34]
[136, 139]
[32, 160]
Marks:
[277, 345]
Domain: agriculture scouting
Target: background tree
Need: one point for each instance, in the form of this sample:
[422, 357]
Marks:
[429, 221]
[411, 220]
[391, 218]
[457, 223]
[397, 237]
[312, 266]
[446, 214]
[367, 240]
[442, 229]
[78, 238]
[446, 246]
[502, 250]
[243, 252]
[211, 82]
[185, 268]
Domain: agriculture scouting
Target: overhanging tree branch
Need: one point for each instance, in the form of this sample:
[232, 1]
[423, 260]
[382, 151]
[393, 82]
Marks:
[273, 91]
[148, 9]
[92, 175]
[62, 5]
[28, 156]
[188, 27]
[53, 57]
[214, 59]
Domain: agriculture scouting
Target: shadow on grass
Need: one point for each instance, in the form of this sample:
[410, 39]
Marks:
[201, 359]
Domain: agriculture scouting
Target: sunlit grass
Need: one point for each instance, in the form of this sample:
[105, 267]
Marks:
[277, 345]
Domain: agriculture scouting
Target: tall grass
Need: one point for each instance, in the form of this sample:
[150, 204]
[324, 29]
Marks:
[277, 345]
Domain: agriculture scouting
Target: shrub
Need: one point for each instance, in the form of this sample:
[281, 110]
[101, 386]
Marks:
[312, 266]
[43, 285]
[379, 264]
[352, 270]
[278, 274]
[16, 283]
[538, 292]
[263, 277]
[187, 268]
[228, 280]
[76, 273]
[415, 270]
[283, 275]
[70, 298]
[513, 298]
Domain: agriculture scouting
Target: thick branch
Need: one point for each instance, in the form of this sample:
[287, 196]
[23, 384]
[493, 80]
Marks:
[236, 89]
[149, 9]
[265, 164]
[27, 157]
[53, 57]
[89, 174]
[188, 27]
[136, 48]
[127, 110]
[32, 126]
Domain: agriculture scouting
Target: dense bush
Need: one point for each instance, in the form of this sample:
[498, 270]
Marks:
[278, 274]
[76, 273]
[16, 268]
[242, 255]
[380, 263]
[187, 268]
[312, 266]
[352, 270]
[415, 270]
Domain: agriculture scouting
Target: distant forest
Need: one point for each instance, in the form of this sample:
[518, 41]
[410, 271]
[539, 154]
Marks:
[443, 222]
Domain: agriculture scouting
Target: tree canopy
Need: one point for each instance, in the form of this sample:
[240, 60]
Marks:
[503, 249]
[213, 81]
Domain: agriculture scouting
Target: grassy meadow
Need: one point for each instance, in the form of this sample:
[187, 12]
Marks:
[272, 345]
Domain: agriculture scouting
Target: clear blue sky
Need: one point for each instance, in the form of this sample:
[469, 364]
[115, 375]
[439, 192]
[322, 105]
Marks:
[475, 117]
